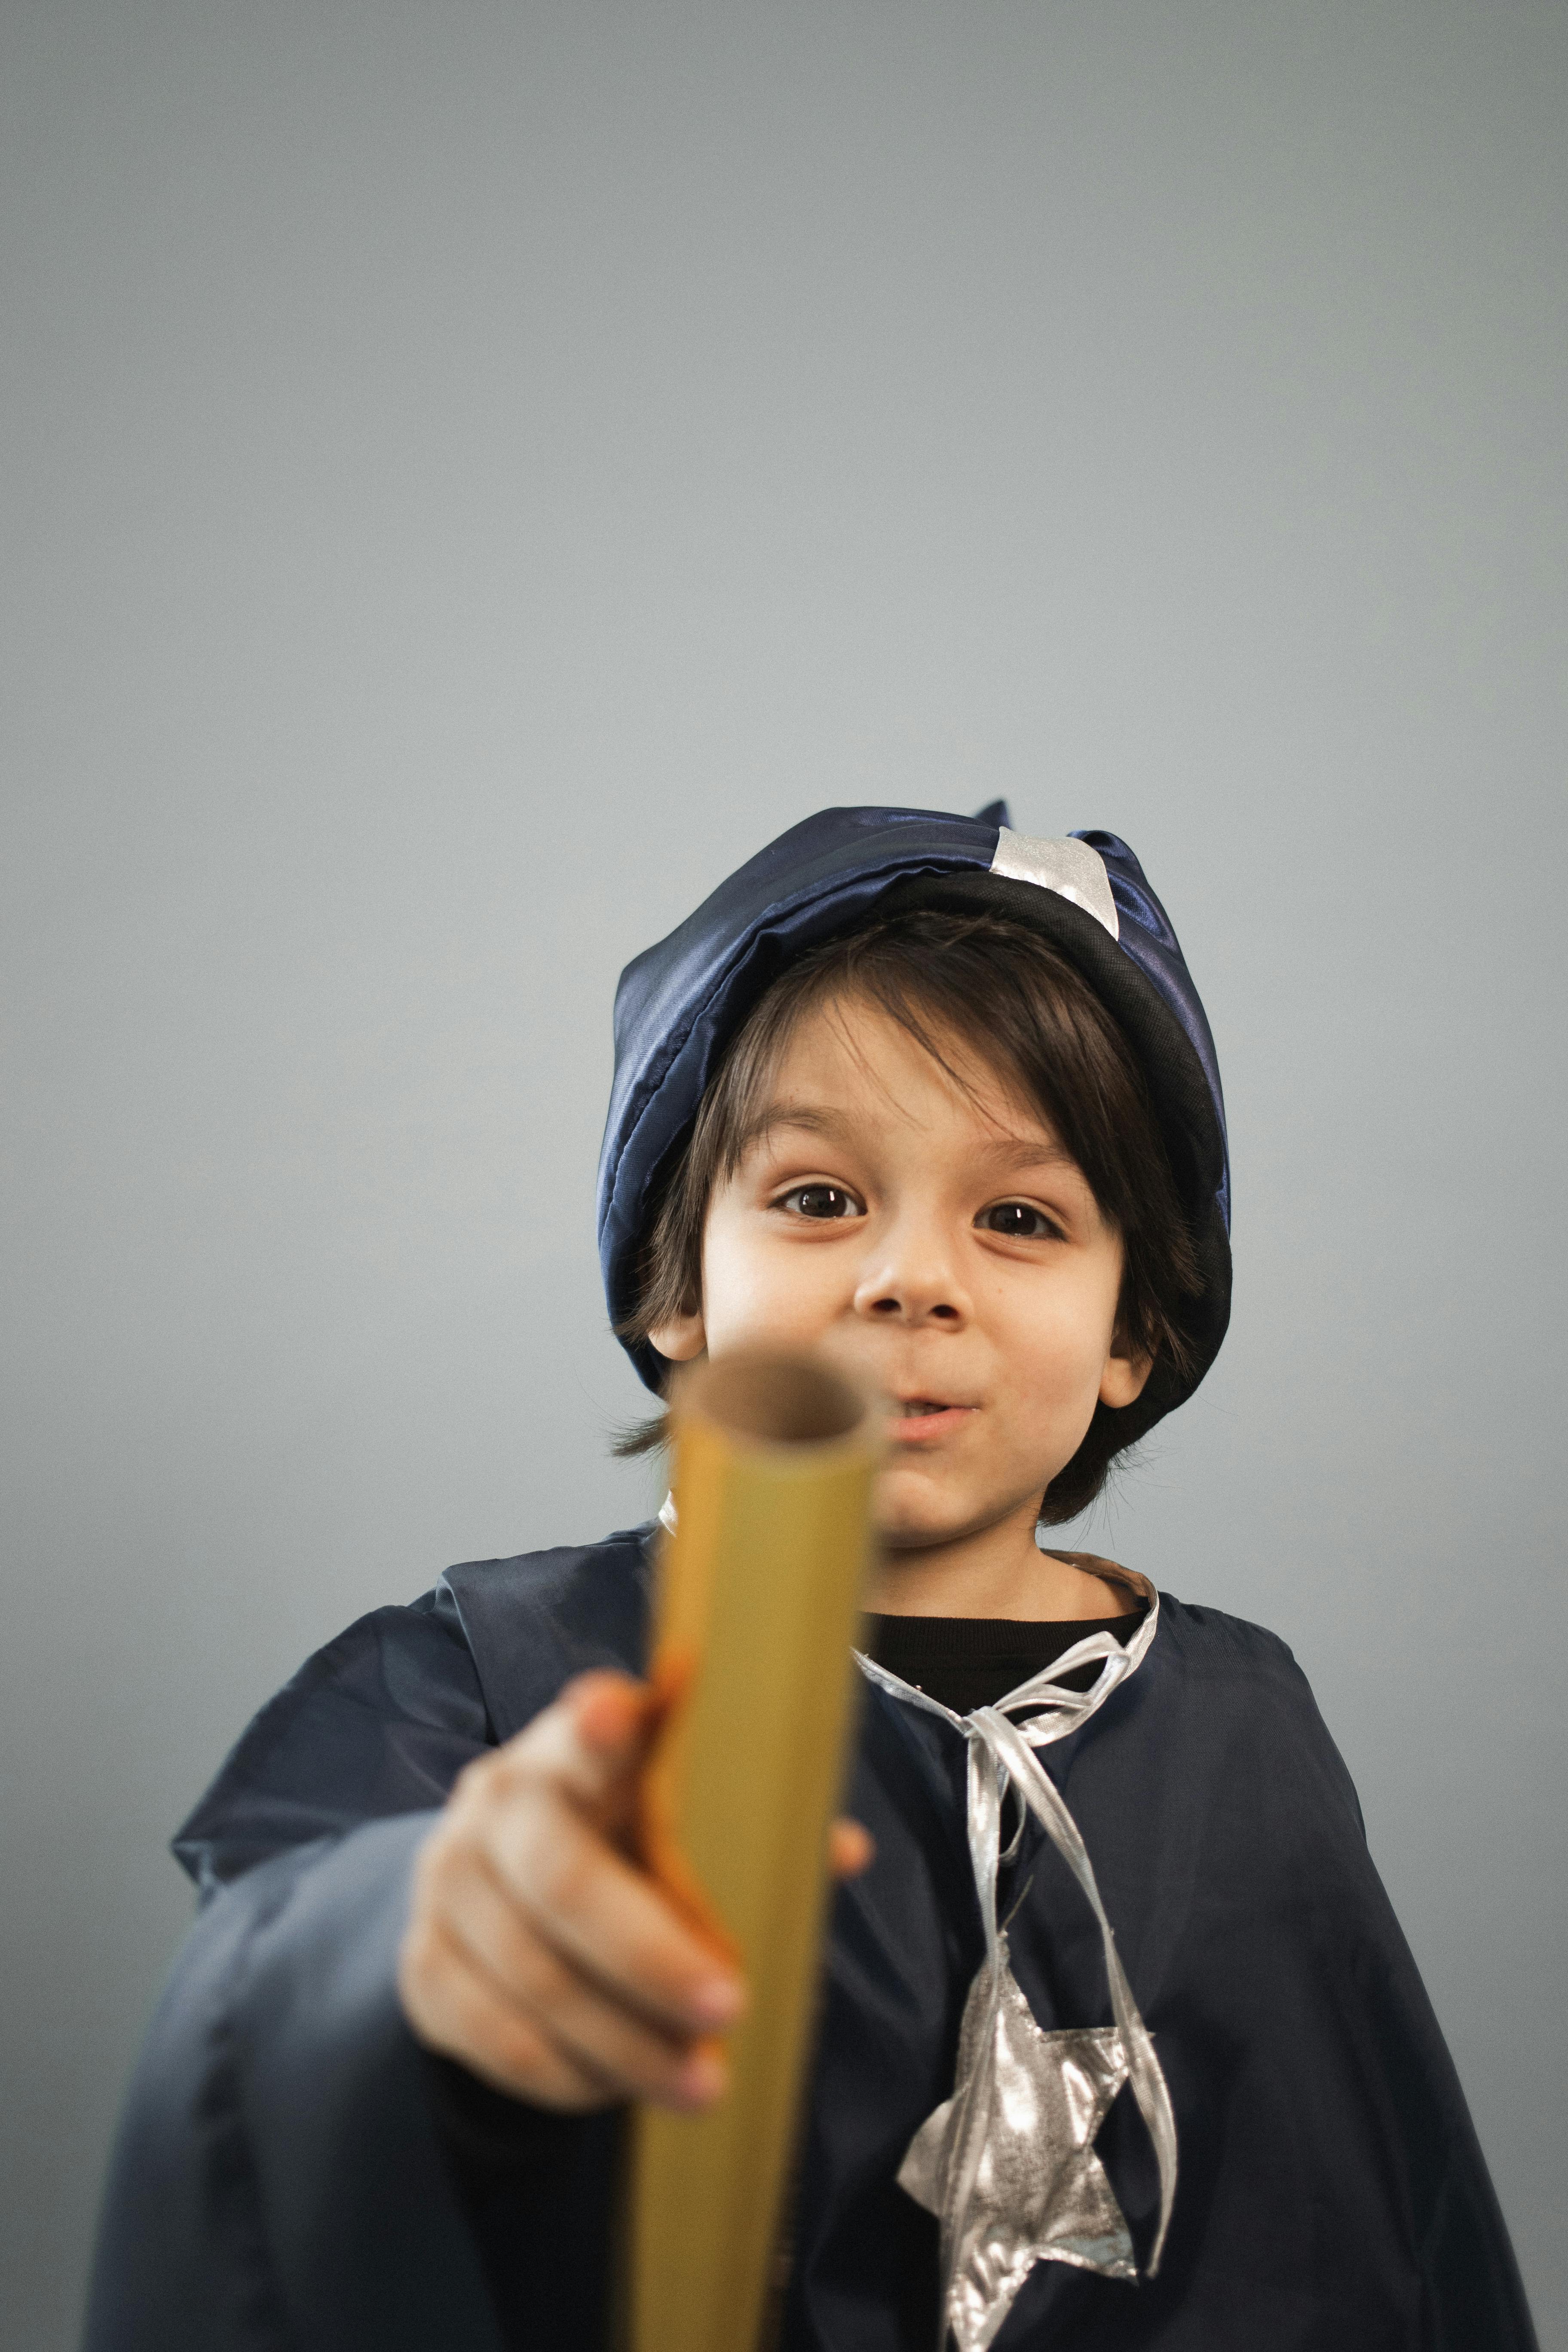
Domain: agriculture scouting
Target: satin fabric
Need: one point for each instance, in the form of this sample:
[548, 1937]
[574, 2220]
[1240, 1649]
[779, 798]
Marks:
[280, 2180]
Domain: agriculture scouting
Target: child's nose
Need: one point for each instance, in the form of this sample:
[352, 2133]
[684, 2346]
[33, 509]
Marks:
[915, 1284]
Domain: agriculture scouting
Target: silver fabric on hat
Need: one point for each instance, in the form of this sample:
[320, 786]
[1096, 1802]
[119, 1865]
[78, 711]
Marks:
[1007, 2164]
[1071, 868]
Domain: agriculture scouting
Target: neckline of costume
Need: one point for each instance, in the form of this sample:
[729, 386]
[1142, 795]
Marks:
[1063, 1710]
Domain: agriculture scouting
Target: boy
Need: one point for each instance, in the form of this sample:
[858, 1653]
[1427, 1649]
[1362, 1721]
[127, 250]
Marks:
[941, 1104]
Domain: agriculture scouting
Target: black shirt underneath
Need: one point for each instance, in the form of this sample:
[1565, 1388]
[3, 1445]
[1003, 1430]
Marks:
[969, 1661]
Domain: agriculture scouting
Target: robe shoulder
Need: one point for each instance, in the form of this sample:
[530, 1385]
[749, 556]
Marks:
[382, 1720]
[1243, 1686]
[1330, 2175]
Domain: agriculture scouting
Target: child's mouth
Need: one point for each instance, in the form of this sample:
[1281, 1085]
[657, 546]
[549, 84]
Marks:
[921, 1420]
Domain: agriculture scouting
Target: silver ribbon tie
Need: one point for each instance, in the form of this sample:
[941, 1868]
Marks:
[1007, 2164]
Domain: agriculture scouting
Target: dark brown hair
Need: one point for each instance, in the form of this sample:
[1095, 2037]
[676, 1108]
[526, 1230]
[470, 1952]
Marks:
[1019, 1004]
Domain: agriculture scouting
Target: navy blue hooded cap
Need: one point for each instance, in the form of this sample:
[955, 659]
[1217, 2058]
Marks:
[680, 1005]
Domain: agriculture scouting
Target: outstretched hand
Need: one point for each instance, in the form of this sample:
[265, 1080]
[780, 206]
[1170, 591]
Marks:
[538, 1952]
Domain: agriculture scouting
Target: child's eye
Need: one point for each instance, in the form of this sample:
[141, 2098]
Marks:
[822, 1202]
[1019, 1221]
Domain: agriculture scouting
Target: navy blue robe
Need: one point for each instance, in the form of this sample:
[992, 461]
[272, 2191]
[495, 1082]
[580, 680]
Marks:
[282, 2180]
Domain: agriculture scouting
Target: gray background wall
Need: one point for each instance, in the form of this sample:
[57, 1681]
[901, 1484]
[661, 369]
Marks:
[471, 473]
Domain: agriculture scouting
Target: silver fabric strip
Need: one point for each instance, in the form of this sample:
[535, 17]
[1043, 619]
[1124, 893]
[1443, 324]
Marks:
[1071, 868]
[988, 2244]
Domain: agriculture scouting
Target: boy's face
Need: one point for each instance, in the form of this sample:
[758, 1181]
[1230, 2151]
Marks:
[936, 1243]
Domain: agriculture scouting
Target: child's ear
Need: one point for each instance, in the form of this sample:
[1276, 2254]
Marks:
[1126, 1370]
[680, 1339]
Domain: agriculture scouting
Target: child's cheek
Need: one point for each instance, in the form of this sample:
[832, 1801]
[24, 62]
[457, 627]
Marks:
[760, 1292]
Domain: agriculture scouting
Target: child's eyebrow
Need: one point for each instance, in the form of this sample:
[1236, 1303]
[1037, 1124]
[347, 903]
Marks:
[1029, 1152]
[1007, 1154]
[773, 1116]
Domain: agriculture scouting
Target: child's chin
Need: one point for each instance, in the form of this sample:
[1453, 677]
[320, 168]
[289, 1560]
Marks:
[913, 1511]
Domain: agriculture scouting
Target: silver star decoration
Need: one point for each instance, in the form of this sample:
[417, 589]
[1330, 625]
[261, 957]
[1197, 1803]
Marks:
[1040, 2192]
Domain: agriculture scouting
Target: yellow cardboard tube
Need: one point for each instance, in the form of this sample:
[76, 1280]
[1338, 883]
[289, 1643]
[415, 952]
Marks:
[759, 1598]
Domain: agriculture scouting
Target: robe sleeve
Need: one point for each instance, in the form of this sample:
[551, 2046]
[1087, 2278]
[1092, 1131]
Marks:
[283, 2179]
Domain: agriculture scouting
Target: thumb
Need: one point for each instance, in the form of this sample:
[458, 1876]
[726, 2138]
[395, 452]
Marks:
[591, 1742]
